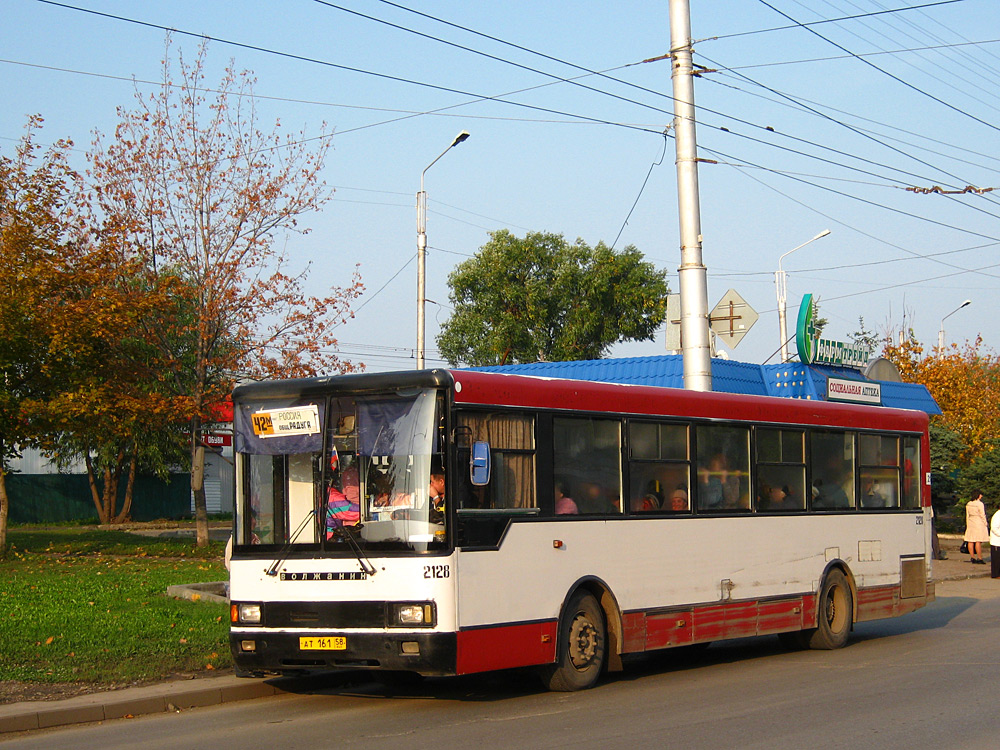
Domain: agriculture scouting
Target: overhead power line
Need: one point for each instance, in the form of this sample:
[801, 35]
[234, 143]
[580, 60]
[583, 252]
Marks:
[339, 66]
[834, 20]
[884, 72]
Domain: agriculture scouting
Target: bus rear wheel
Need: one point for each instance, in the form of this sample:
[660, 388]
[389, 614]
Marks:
[581, 648]
[834, 618]
[836, 613]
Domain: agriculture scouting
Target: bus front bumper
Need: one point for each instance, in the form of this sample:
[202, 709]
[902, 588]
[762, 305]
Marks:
[264, 651]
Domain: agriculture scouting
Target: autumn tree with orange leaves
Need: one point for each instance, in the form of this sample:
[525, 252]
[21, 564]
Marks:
[76, 378]
[189, 184]
[965, 383]
[36, 207]
[114, 408]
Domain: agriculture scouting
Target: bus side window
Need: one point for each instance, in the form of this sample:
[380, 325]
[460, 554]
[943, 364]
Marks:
[659, 468]
[511, 439]
[587, 458]
[723, 468]
[911, 472]
[781, 470]
[831, 463]
[879, 471]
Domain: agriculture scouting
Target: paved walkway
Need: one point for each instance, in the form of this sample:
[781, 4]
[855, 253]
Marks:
[178, 695]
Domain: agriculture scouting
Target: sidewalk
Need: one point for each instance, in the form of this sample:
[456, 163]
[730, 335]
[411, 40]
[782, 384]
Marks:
[179, 695]
[957, 567]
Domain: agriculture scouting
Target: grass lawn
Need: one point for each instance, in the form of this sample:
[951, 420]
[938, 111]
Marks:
[85, 605]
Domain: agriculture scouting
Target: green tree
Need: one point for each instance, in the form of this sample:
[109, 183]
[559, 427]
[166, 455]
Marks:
[865, 337]
[947, 450]
[982, 474]
[540, 298]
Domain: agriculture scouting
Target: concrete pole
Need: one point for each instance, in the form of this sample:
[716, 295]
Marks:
[421, 269]
[695, 344]
[422, 250]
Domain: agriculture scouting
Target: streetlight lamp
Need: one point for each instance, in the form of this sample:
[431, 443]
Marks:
[422, 249]
[781, 286]
[941, 330]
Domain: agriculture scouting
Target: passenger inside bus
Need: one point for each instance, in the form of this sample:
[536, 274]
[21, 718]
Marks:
[565, 505]
[719, 486]
[679, 500]
[871, 494]
[386, 498]
[651, 500]
[779, 499]
[833, 472]
[436, 495]
[829, 495]
[343, 506]
[597, 499]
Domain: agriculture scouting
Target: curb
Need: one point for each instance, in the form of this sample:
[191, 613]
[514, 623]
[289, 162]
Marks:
[131, 702]
[217, 591]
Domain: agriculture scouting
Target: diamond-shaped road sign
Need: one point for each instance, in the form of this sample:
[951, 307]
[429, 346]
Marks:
[732, 318]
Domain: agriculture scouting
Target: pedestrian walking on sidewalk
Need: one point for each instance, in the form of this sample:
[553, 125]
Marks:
[976, 530]
[995, 545]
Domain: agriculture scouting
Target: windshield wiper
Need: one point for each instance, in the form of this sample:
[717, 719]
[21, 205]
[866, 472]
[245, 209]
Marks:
[272, 570]
[346, 533]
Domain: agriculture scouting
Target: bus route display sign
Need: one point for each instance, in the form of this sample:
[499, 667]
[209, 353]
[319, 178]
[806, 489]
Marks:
[296, 420]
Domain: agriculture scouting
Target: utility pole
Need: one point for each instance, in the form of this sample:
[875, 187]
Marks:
[696, 346]
[422, 249]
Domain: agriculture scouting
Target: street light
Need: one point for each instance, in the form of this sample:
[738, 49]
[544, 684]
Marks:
[422, 249]
[941, 330]
[780, 283]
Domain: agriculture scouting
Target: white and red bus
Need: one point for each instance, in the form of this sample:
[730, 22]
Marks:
[580, 522]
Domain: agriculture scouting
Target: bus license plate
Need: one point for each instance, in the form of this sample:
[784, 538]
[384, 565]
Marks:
[322, 643]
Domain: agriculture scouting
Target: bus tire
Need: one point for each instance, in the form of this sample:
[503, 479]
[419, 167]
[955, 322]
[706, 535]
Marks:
[581, 648]
[835, 615]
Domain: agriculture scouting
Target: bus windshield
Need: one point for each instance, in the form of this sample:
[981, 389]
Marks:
[342, 472]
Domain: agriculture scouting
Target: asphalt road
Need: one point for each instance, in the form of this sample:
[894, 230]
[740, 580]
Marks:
[925, 680]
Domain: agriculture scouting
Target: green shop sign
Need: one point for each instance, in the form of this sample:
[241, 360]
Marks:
[814, 350]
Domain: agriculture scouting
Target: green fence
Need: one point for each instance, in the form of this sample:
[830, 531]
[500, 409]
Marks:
[51, 498]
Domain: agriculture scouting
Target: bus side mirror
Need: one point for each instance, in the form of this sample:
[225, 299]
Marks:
[479, 463]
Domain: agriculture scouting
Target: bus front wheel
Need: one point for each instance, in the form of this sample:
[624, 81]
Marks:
[581, 649]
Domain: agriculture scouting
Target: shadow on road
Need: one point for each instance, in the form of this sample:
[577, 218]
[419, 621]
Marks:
[935, 615]
[499, 686]
[492, 686]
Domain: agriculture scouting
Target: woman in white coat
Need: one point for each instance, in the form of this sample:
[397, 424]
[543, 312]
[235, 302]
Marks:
[976, 530]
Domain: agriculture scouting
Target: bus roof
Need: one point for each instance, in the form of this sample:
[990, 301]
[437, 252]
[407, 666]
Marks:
[530, 391]
[508, 389]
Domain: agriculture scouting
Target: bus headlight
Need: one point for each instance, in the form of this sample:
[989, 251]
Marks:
[413, 614]
[246, 613]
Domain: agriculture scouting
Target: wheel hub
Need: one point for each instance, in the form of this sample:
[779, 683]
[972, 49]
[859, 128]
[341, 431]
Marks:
[582, 642]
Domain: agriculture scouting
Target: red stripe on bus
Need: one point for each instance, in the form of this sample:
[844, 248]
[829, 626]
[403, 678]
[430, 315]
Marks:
[648, 631]
[885, 601]
[782, 616]
[505, 647]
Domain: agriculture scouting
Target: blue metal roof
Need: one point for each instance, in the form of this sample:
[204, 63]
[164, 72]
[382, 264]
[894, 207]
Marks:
[790, 380]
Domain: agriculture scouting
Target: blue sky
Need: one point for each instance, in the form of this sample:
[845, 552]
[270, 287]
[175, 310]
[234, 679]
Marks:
[812, 127]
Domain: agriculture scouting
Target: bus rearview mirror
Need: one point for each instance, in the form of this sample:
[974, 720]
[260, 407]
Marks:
[479, 463]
